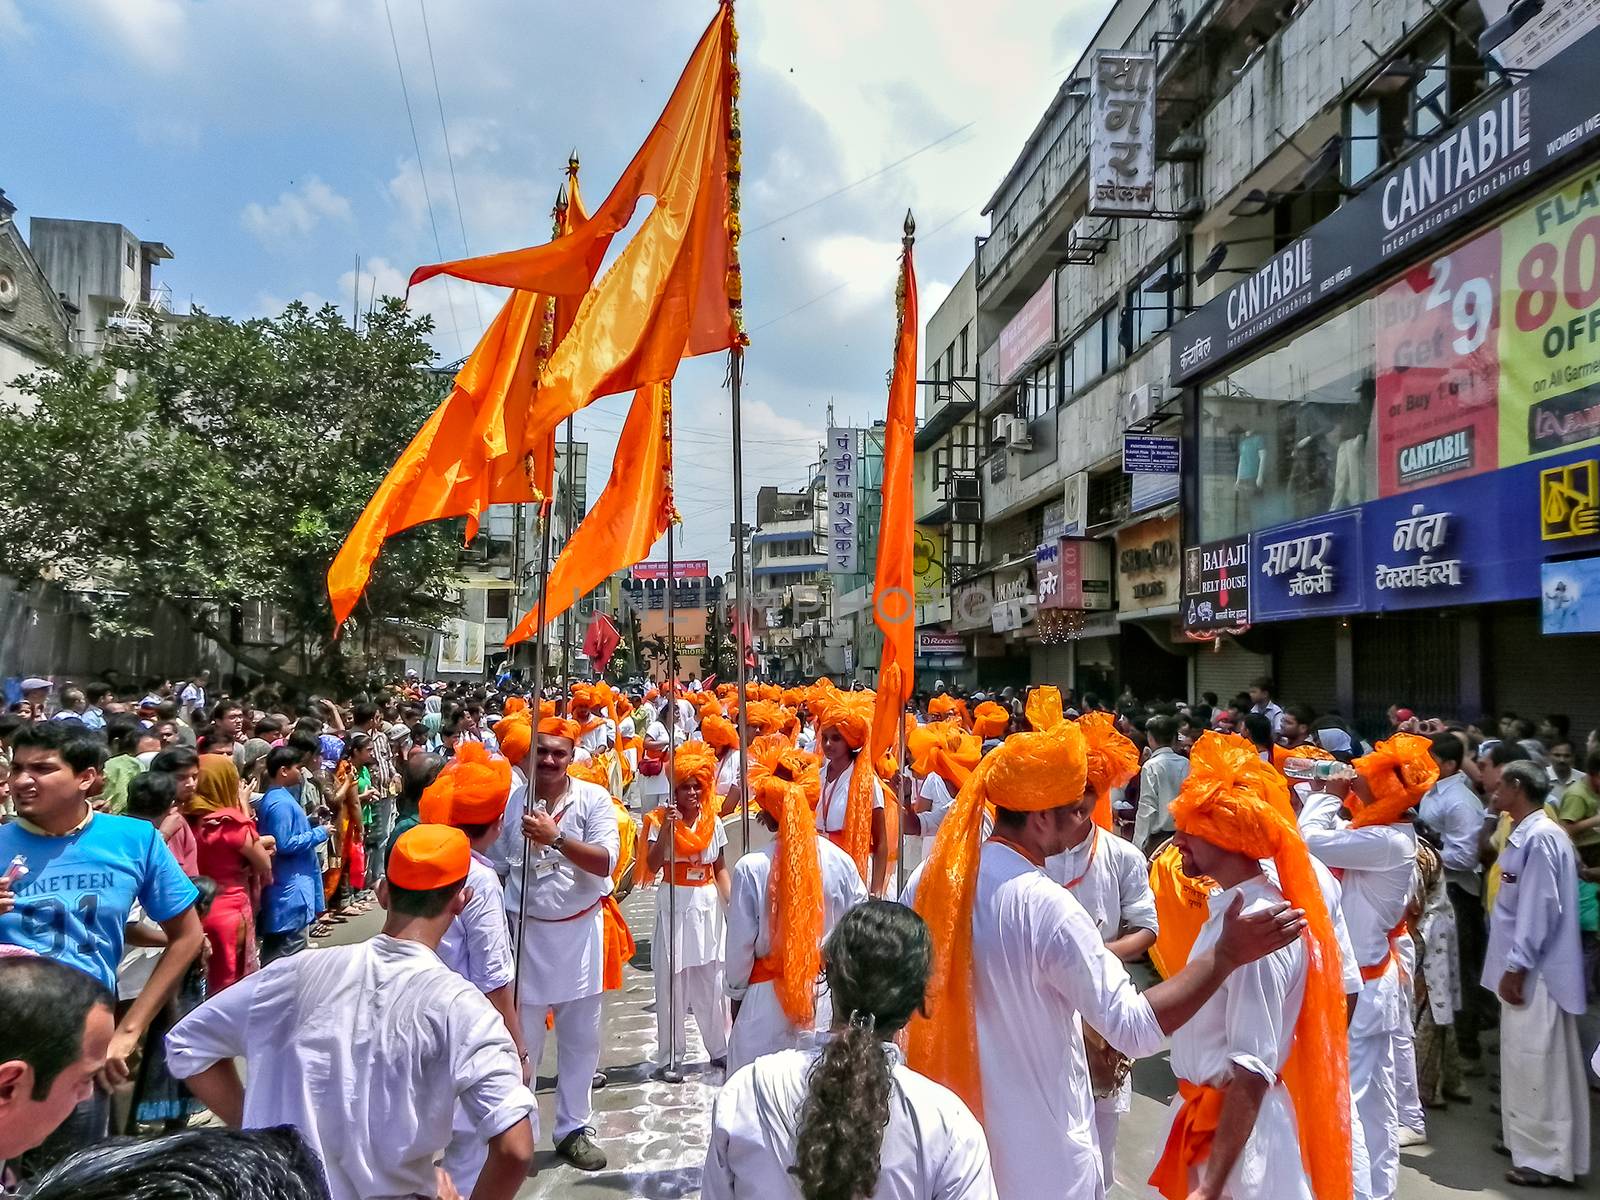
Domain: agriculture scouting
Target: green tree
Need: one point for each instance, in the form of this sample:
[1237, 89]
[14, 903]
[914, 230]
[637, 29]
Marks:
[218, 462]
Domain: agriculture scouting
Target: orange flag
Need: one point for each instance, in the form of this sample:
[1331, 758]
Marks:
[894, 584]
[630, 515]
[674, 290]
[474, 450]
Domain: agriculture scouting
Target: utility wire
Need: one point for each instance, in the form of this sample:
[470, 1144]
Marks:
[449, 155]
[427, 199]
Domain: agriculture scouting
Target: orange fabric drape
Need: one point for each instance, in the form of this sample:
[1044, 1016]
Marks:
[627, 519]
[794, 895]
[1397, 773]
[1113, 760]
[1189, 1141]
[1182, 907]
[674, 290]
[894, 582]
[471, 452]
[617, 942]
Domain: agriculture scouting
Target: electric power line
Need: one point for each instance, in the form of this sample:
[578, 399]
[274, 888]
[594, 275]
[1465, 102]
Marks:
[449, 155]
[427, 199]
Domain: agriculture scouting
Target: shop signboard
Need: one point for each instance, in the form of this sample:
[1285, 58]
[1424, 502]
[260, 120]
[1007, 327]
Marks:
[1149, 454]
[1085, 574]
[1122, 133]
[1505, 140]
[1569, 596]
[690, 568]
[1147, 565]
[972, 602]
[1569, 501]
[1055, 519]
[927, 563]
[1047, 575]
[842, 533]
[1029, 331]
[1216, 586]
[1309, 568]
[940, 645]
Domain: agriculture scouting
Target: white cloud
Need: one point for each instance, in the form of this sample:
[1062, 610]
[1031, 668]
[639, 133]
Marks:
[11, 23]
[152, 33]
[296, 212]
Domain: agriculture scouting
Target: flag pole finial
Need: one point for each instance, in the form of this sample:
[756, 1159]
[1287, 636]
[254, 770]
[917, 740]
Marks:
[572, 163]
[910, 228]
[561, 203]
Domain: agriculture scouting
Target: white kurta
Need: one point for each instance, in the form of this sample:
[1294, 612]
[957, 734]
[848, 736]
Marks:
[728, 773]
[933, 1147]
[939, 795]
[516, 801]
[1534, 924]
[1038, 962]
[366, 1050]
[563, 950]
[477, 946]
[699, 924]
[761, 1027]
[1249, 1023]
[835, 800]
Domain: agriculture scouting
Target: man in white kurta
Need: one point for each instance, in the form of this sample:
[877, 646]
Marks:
[367, 1050]
[570, 832]
[761, 1026]
[1376, 863]
[933, 1148]
[1535, 963]
[1111, 879]
[1248, 1025]
[689, 912]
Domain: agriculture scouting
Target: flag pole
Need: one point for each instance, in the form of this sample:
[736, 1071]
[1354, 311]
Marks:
[533, 742]
[670, 1073]
[741, 616]
[570, 508]
[907, 240]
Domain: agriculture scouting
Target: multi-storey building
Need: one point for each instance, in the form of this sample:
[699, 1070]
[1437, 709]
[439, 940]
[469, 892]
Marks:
[789, 595]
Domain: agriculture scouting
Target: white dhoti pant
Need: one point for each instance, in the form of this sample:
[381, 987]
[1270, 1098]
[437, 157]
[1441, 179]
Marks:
[1408, 1100]
[1107, 1116]
[698, 991]
[1360, 1164]
[1544, 1098]
[1378, 1018]
[577, 1056]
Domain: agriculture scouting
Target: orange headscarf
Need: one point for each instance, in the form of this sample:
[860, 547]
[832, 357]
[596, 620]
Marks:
[1029, 772]
[695, 760]
[472, 789]
[1113, 760]
[218, 788]
[719, 733]
[942, 749]
[514, 731]
[1397, 772]
[990, 720]
[851, 714]
[794, 892]
[1234, 800]
[561, 727]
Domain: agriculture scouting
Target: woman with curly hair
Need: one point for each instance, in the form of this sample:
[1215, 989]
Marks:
[843, 1117]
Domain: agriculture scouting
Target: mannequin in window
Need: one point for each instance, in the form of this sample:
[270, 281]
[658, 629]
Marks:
[1251, 475]
[1351, 481]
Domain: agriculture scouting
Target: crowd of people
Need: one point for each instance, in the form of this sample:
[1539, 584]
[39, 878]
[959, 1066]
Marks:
[928, 974]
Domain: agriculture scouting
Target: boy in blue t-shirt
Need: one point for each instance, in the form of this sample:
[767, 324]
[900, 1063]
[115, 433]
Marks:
[83, 871]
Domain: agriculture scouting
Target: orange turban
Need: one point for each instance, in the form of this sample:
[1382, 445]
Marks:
[1113, 760]
[591, 770]
[1029, 772]
[942, 708]
[1235, 801]
[696, 760]
[547, 708]
[514, 705]
[942, 749]
[1397, 772]
[514, 731]
[719, 733]
[561, 727]
[763, 716]
[429, 856]
[851, 714]
[990, 720]
[471, 789]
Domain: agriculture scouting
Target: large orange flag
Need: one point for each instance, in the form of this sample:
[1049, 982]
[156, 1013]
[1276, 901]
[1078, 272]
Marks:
[675, 290]
[894, 604]
[475, 450]
[629, 517]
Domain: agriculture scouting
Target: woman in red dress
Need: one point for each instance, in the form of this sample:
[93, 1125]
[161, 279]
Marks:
[229, 851]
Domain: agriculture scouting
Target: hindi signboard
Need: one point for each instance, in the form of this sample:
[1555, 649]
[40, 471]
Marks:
[1122, 133]
[843, 537]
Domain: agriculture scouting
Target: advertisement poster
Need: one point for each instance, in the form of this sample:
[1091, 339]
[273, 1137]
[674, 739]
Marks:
[1569, 596]
[1439, 369]
[1216, 586]
[1550, 346]
[927, 563]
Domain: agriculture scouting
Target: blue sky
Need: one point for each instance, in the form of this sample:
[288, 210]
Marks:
[268, 145]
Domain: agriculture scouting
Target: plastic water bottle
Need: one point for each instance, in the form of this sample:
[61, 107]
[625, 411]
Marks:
[1318, 769]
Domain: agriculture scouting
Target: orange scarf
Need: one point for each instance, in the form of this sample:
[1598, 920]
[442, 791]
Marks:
[689, 842]
[1189, 1141]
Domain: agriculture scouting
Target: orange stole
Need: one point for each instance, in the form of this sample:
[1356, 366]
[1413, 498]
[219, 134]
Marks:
[1368, 974]
[765, 970]
[618, 941]
[1190, 1140]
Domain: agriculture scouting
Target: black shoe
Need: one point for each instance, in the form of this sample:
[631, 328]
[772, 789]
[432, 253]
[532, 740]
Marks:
[721, 1064]
[599, 1081]
[578, 1148]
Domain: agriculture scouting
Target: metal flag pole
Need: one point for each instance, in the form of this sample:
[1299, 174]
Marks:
[741, 622]
[569, 506]
[671, 1072]
[909, 231]
[533, 742]
[900, 822]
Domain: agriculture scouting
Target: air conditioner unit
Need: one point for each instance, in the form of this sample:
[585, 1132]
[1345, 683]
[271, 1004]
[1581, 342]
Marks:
[966, 512]
[965, 487]
[1137, 405]
[999, 428]
[1017, 437]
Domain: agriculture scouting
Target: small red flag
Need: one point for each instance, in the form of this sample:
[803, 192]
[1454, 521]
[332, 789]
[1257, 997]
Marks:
[601, 641]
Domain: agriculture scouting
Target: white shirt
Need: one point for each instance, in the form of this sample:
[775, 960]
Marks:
[510, 829]
[556, 887]
[477, 946]
[762, 1027]
[728, 773]
[1039, 961]
[366, 1050]
[933, 1147]
[1160, 778]
[937, 792]
[698, 923]
[192, 696]
[836, 799]
[1270, 710]
[654, 787]
[1533, 926]
[1453, 811]
[1115, 885]
[1249, 1023]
